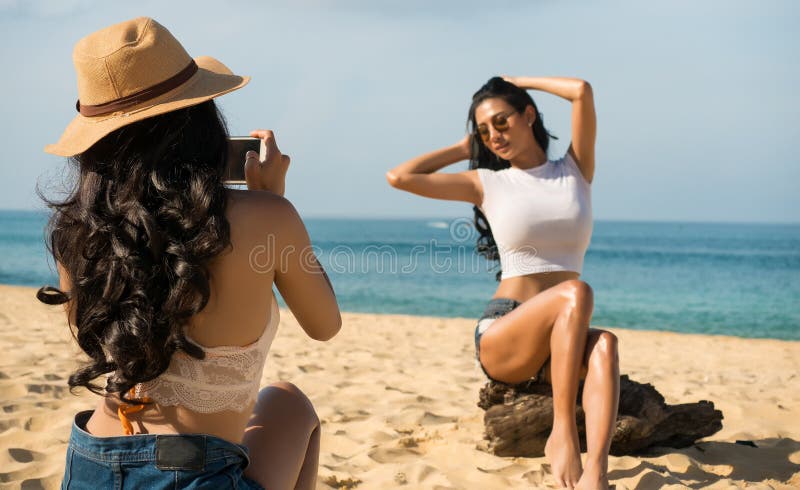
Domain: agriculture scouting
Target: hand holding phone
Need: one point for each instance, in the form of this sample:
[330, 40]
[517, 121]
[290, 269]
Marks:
[267, 170]
[238, 147]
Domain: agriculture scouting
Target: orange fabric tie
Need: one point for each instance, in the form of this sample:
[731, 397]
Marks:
[125, 408]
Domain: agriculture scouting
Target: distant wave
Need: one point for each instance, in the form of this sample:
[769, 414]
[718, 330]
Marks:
[438, 224]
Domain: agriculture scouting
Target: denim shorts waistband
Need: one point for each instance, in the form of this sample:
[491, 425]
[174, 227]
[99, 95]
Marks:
[142, 447]
[504, 301]
[499, 306]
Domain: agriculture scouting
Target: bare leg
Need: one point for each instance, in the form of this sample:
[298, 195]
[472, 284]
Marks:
[283, 438]
[567, 346]
[600, 403]
[554, 323]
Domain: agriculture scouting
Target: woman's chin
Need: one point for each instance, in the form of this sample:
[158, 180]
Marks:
[505, 154]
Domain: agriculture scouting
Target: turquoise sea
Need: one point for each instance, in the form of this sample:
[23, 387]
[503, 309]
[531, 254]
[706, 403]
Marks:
[732, 279]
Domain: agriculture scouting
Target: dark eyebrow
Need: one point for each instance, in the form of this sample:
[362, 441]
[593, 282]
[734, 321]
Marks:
[489, 119]
[505, 113]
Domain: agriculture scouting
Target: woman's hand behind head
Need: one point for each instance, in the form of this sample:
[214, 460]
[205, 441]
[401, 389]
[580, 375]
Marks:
[268, 174]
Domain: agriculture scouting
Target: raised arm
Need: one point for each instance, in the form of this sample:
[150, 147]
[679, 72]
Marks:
[300, 278]
[584, 119]
[419, 176]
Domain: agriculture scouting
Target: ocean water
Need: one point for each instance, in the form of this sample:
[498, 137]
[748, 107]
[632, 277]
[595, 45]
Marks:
[731, 279]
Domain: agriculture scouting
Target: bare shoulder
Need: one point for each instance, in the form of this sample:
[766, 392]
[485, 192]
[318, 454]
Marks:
[255, 213]
[247, 201]
[259, 208]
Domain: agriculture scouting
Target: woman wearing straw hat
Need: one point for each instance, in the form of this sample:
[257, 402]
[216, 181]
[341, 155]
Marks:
[167, 279]
[534, 215]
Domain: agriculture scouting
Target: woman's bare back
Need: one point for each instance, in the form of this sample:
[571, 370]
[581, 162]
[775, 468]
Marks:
[237, 312]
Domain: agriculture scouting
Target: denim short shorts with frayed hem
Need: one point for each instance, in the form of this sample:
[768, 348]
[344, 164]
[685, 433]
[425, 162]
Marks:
[153, 461]
[496, 308]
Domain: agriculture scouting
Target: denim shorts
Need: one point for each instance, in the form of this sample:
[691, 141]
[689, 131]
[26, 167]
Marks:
[153, 461]
[496, 308]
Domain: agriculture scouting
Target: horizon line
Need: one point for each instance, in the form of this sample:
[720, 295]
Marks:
[447, 217]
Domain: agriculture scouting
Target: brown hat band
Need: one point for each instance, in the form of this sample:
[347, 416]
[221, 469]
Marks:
[139, 97]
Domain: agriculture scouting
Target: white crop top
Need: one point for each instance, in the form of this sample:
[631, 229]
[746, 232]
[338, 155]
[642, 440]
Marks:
[541, 218]
[227, 379]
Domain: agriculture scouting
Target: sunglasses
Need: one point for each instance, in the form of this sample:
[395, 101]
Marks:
[499, 122]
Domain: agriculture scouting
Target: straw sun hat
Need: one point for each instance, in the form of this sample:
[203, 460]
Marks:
[131, 71]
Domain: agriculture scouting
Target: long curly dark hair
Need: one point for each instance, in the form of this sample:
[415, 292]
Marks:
[135, 235]
[483, 157]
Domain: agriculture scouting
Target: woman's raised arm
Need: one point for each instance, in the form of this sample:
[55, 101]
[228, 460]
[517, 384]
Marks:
[419, 176]
[299, 276]
[584, 119]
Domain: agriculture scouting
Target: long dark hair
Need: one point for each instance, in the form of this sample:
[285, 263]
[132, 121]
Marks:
[483, 157]
[135, 235]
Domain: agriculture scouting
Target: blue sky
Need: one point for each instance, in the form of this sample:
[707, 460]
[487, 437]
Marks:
[697, 102]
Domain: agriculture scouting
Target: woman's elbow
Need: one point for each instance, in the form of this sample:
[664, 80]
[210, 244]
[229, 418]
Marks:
[585, 90]
[326, 331]
[394, 179]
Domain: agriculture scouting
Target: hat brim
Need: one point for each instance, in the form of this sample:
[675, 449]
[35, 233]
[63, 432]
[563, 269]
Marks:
[212, 79]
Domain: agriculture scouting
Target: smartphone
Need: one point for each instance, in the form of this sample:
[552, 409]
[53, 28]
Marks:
[238, 146]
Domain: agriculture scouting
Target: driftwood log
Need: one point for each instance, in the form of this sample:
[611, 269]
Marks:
[519, 418]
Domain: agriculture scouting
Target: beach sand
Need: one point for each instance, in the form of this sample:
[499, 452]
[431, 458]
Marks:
[397, 399]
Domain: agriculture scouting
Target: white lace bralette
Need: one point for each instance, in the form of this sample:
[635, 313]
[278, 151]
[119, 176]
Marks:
[227, 379]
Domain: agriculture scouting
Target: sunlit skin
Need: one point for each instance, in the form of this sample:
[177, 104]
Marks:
[552, 323]
[556, 321]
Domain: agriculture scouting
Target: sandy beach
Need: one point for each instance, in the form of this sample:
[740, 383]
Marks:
[397, 399]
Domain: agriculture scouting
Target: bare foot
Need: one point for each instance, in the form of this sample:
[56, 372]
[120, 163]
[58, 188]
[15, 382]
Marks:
[563, 452]
[593, 478]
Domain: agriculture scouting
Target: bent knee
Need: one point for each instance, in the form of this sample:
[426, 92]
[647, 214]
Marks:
[288, 397]
[580, 290]
[288, 387]
[579, 295]
[608, 346]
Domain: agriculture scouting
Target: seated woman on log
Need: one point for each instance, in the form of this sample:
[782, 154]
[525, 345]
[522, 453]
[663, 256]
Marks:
[534, 214]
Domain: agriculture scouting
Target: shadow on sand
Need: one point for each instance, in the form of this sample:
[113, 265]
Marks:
[706, 463]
